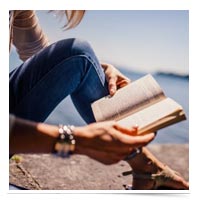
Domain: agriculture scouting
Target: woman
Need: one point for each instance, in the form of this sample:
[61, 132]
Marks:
[69, 67]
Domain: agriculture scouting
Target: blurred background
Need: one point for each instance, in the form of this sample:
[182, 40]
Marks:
[137, 42]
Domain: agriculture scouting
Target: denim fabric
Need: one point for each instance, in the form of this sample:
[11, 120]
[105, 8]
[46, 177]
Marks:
[15, 187]
[67, 67]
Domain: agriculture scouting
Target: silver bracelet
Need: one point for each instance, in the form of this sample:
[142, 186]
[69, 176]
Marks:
[65, 144]
[133, 154]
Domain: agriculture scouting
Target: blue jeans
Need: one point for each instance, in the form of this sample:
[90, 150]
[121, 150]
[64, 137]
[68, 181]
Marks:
[67, 67]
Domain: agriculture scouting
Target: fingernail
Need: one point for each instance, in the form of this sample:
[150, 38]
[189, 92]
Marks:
[135, 126]
[112, 91]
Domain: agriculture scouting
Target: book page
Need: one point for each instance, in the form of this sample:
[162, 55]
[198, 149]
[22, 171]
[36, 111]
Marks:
[128, 100]
[155, 117]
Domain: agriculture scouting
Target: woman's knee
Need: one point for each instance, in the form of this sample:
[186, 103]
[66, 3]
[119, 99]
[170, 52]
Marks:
[75, 47]
[82, 47]
[79, 50]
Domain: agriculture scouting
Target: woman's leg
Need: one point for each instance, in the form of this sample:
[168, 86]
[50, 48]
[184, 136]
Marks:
[43, 81]
[64, 68]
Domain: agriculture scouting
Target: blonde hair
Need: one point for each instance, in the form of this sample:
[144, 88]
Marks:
[74, 17]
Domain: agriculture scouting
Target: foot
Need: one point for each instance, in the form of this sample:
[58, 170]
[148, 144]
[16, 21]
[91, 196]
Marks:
[165, 179]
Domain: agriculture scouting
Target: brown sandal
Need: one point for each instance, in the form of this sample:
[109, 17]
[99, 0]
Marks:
[160, 180]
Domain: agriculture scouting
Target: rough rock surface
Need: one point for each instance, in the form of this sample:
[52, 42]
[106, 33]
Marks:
[47, 172]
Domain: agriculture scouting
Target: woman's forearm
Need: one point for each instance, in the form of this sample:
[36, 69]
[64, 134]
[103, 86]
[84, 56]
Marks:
[28, 36]
[100, 141]
[31, 137]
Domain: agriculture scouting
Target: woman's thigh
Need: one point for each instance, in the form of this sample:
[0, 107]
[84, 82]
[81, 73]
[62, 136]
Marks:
[65, 67]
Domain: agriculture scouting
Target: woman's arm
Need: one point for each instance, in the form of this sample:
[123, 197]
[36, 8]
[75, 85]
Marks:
[31, 137]
[28, 36]
[106, 142]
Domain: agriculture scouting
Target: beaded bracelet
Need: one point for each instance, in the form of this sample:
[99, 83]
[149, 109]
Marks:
[65, 144]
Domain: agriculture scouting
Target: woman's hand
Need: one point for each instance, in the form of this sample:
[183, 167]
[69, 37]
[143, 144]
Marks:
[108, 142]
[114, 77]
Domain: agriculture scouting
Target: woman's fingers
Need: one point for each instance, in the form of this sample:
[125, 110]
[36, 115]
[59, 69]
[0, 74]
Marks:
[105, 157]
[136, 141]
[115, 78]
[129, 131]
[118, 150]
[108, 142]
[112, 85]
[123, 83]
[115, 82]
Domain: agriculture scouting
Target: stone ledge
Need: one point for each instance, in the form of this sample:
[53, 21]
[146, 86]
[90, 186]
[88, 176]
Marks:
[47, 172]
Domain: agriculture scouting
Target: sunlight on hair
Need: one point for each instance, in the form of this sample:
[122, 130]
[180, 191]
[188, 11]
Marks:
[74, 17]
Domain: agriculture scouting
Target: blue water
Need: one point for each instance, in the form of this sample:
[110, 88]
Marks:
[175, 87]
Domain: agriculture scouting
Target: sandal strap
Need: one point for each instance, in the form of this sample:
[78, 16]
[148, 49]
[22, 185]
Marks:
[158, 178]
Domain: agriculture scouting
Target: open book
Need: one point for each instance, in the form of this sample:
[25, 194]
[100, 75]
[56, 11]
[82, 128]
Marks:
[142, 102]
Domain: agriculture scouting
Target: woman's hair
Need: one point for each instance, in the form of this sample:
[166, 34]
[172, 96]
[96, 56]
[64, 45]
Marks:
[74, 17]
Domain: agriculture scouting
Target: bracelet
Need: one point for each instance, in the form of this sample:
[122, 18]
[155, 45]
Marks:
[65, 144]
[133, 154]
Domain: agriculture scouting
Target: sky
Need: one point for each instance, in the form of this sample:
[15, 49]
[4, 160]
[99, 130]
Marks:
[140, 40]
